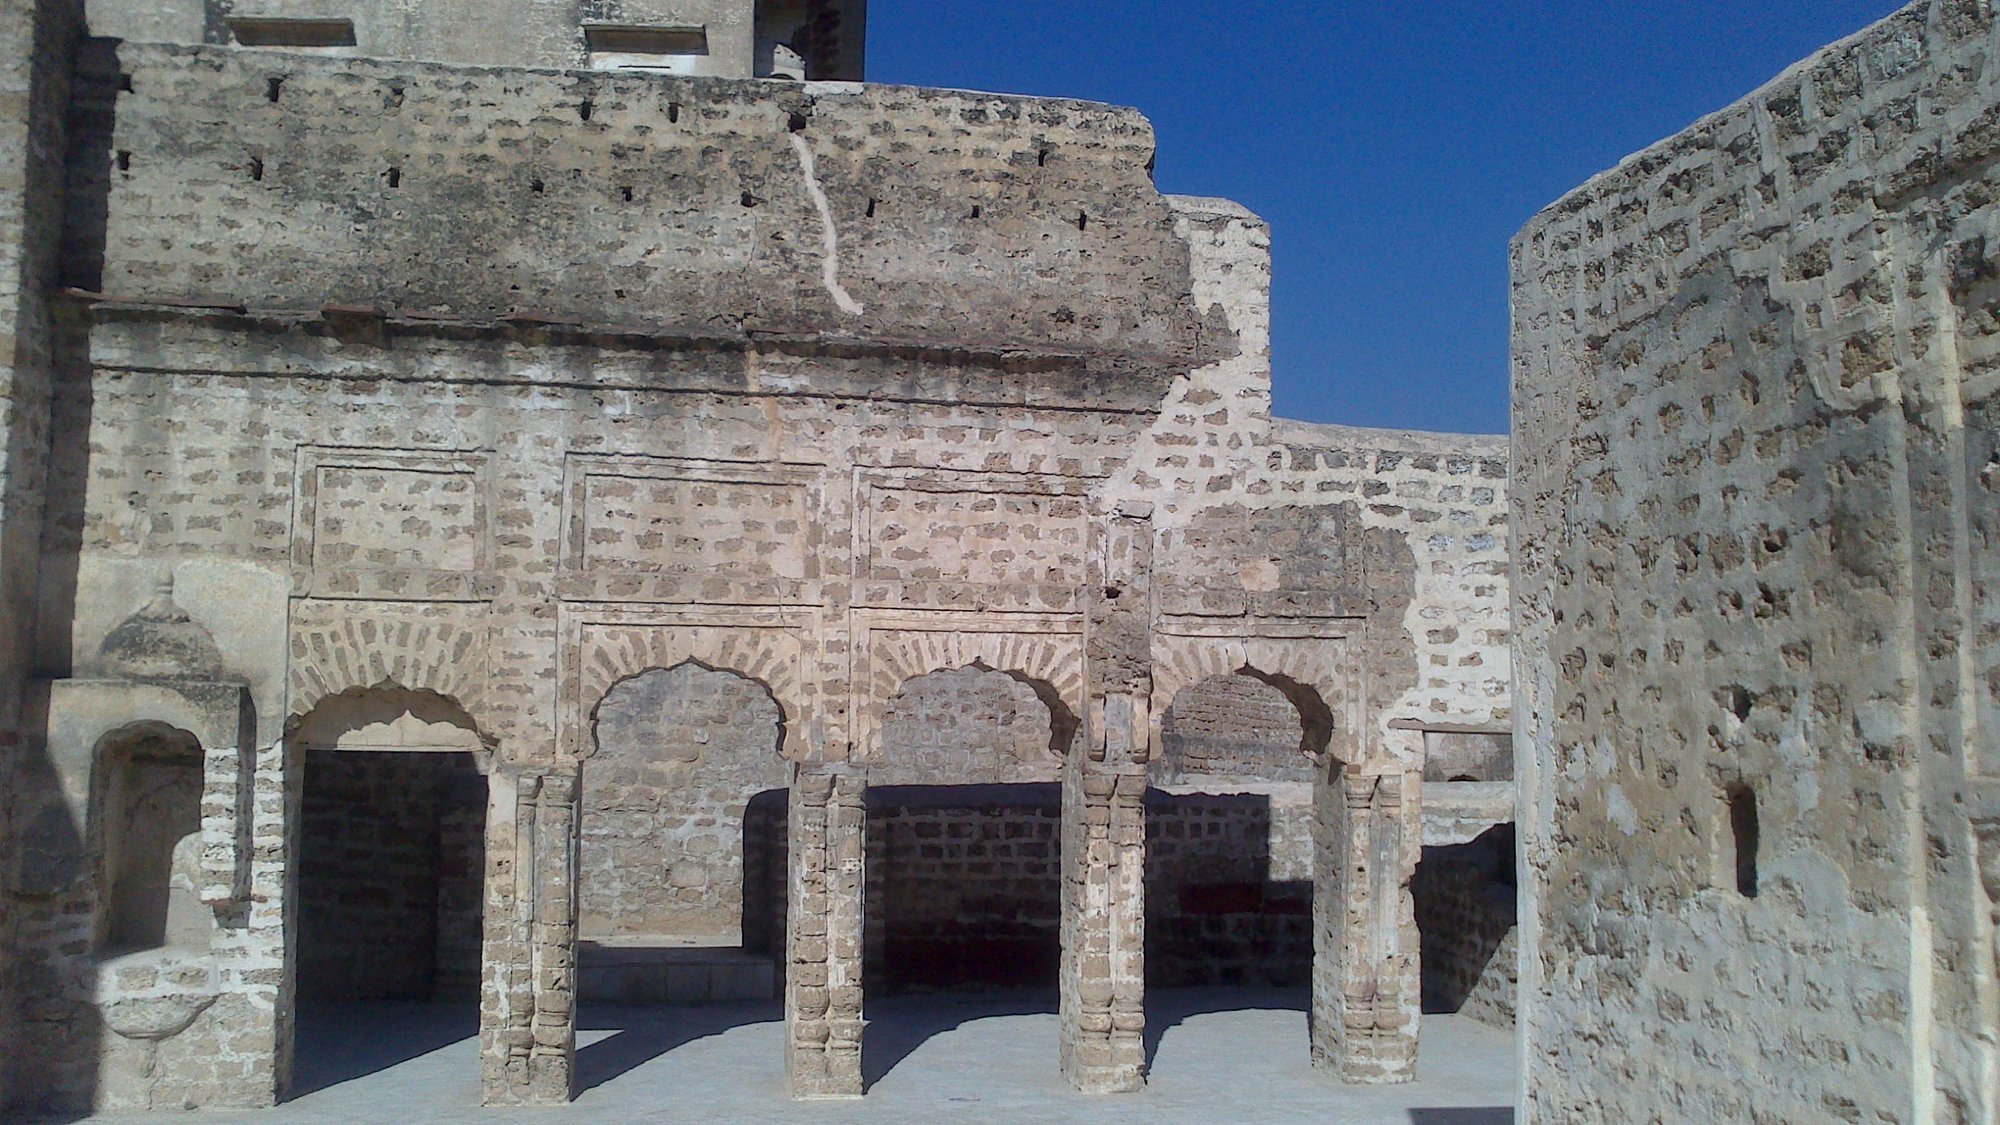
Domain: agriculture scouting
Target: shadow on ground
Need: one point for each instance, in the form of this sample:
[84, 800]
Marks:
[898, 1026]
[1167, 1008]
[642, 1034]
[341, 1042]
[1482, 1115]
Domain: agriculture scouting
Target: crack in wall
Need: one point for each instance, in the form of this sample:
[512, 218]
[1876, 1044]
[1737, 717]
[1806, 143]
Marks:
[829, 271]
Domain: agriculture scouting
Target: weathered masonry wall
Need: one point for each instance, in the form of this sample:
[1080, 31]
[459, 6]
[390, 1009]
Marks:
[465, 194]
[1757, 411]
[880, 437]
[681, 753]
[1465, 900]
[831, 36]
[964, 887]
[1229, 886]
[37, 46]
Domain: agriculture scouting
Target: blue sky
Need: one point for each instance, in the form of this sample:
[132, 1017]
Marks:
[1394, 147]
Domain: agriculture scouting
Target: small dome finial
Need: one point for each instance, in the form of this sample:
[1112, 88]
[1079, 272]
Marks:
[161, 641]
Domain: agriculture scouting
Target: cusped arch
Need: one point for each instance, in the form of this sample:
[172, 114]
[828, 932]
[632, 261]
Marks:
[1049, 664]
[1311, 673]
[589, 741]
[766, 657]
[391, 714]
[364, 654]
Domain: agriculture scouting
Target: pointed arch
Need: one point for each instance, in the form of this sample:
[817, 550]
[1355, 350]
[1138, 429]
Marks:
[1050, 663]
[1314, 673]
[609, 654]
[361, 653]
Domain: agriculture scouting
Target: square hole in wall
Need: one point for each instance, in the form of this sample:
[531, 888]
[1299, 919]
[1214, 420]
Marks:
[675, 49]
[296, 33]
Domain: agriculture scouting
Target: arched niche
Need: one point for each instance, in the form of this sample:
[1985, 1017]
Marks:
[148, 838]
[681, 823]
[971, 725]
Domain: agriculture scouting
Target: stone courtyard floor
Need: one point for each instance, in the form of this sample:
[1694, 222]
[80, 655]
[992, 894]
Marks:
[1221, 1056]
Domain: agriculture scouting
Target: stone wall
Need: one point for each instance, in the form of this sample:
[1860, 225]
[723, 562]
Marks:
[705, 196]
[1229, 887]
[963, 887]
[37, 44]
[1232, 726]
[680, 754]
[1753, 497]
[965, 726]
[390, 868]
[1465, 898]
[540, 34]
[502, 388]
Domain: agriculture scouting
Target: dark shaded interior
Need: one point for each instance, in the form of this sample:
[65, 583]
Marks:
[964, 887]
[391, 876]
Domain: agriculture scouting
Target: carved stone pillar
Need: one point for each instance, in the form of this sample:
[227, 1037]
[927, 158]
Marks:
[527, 1020]
[1366, 987]
[823, 932]
[1103, 981]
[227, 815]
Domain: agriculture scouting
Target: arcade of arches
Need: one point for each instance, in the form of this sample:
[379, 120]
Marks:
[695, 539]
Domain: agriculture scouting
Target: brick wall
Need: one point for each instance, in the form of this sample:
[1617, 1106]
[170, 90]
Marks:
[964, 887]
[390, 873]
[680, 754]
[1229, 888]
[1754, 492]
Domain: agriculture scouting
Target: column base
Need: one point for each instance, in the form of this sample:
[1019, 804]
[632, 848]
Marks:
[1128, 1079]
[824, 1076]
[1351, 1071]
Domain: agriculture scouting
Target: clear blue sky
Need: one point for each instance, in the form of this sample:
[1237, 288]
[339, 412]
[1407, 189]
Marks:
[1394, 147]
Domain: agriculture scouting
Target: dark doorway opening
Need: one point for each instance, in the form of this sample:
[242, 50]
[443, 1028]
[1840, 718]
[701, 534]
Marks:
[965, 888]
[1465, 899]
[391, 884]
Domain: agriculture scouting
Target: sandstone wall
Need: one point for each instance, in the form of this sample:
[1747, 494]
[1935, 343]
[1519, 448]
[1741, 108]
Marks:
[37, 55]
[1753, 491]
[1465, 896]
[681, 754]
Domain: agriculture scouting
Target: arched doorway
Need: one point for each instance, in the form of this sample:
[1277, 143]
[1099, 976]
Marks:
[964, 858]
[390, 880]
[1230, 850]
[681, 896]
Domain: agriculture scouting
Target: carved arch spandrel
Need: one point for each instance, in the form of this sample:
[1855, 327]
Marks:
[1049, 661]
[609, 654]
[417, 653]
[1315, 673]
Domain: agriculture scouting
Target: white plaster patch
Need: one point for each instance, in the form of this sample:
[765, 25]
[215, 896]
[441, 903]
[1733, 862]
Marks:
[830, 238]
[1623, 816]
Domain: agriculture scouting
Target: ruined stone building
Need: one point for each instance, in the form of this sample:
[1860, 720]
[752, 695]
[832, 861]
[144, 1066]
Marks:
[550, 503]
[1756, 521]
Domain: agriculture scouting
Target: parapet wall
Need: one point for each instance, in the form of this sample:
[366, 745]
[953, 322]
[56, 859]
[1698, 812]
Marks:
[710, 208]
[1755, 416]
